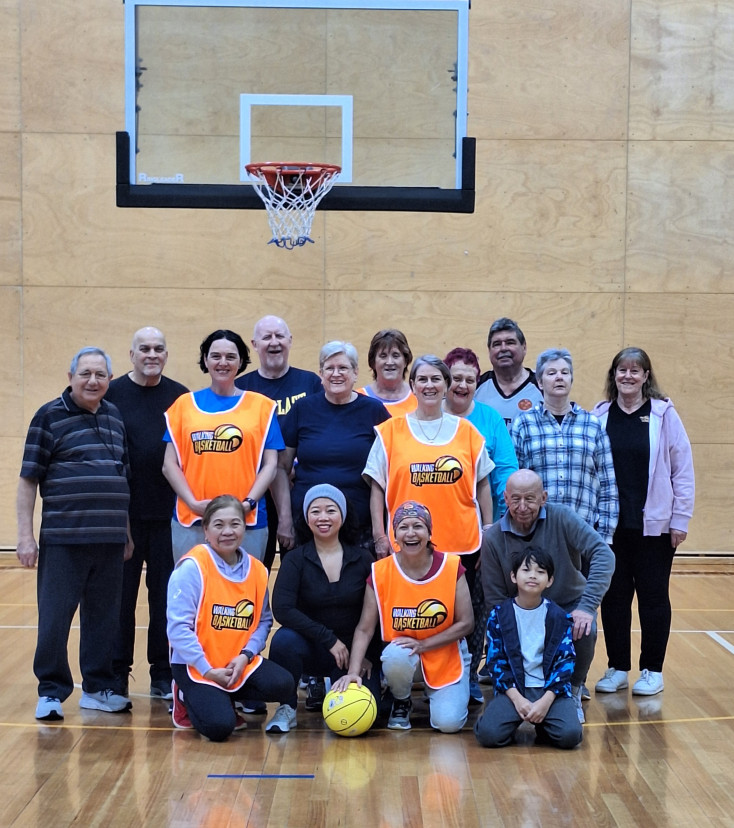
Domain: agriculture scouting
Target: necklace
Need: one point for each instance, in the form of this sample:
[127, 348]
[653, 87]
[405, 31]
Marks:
[438, 430]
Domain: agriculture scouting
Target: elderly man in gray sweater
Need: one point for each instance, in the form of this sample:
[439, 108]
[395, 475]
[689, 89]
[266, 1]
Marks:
[583, 562]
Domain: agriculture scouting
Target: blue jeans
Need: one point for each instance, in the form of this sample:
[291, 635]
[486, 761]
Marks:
[448, 704]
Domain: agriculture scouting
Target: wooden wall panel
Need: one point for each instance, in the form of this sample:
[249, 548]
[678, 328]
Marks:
[71, 64]
[75, 235]
[711, 528]
[10, 251]
[550, 215]
[9, 66]
[690, 340]
[12, 415]
[680, 216]
[549, 70]
[682, 70]
[11, 366]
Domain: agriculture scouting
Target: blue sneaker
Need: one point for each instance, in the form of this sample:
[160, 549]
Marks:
[105, 700]
[49, 709]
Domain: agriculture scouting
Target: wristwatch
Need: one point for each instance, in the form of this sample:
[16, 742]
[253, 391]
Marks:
[251, 503]
[250, 655]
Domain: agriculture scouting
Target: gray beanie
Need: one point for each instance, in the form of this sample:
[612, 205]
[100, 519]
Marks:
[325, 490]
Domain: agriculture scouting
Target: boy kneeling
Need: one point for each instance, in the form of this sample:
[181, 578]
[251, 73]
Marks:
[531, 656]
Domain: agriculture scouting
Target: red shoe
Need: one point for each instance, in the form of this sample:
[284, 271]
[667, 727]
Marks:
[241, 721]
[179, 714]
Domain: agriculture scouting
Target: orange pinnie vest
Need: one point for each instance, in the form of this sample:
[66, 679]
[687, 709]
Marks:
[219, 453]
[228, 613]
[395, 408]
[442, 477]
[420, 609]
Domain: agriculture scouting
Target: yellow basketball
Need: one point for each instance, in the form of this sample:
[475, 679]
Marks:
[447, 463]
[350, 712]
[430, 608]
[229, 433]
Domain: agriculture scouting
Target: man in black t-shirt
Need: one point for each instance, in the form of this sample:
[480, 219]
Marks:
[280, 382]
[142, 396]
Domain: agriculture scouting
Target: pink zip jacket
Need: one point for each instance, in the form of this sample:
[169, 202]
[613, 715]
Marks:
[671, 484]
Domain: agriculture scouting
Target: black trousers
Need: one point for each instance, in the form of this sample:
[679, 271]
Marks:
[642, 567]
[211, 709]
[87, 576]
[152, 539]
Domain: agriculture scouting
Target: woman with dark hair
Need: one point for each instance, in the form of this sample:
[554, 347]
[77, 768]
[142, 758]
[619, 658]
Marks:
[653, 464]
[421, 600]
[220, 439]
[215, 661]
[317, 600]
[389, 357]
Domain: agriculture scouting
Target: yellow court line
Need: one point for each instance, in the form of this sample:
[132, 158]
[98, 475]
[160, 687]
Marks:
[138, 729]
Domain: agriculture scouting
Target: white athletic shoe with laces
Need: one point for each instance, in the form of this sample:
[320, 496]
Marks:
[283, 720]
[611, 681]
[648, 684]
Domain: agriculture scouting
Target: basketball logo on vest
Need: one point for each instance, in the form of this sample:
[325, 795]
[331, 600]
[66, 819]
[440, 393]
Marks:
[223, 440]
[238, 617]
[445, 469]
[428, 615]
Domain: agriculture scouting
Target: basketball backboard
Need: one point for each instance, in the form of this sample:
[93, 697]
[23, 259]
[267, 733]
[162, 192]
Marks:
[378, 87]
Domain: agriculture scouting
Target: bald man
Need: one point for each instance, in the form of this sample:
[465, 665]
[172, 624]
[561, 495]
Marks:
[142, 395]
[277, 380]
[583, 562]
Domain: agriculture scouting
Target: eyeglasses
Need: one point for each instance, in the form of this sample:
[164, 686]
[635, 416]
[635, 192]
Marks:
[337, 369]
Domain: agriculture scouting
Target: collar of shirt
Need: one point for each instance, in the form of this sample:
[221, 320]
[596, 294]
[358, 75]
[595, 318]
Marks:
[506, 523]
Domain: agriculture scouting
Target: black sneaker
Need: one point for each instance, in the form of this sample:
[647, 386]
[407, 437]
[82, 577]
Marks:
[316, 691]
[400, 715]
[485, 675]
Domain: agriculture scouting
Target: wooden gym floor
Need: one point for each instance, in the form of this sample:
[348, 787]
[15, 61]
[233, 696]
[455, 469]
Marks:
[660, 761]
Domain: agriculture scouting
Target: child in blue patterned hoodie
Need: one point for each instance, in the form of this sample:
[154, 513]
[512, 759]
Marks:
[531, 655]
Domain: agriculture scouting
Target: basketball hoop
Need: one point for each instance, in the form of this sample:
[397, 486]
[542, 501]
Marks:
[291, 191]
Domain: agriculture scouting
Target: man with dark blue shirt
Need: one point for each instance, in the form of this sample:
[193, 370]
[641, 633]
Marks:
[280, 382]
[76, 457]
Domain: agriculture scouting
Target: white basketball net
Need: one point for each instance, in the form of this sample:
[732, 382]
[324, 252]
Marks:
[291, 193]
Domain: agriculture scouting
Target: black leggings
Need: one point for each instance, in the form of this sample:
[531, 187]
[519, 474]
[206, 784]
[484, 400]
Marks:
[211, 709]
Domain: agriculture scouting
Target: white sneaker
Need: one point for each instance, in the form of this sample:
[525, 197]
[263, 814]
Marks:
[612, 681]
[648, 684]
[106, 700]
[283, 720]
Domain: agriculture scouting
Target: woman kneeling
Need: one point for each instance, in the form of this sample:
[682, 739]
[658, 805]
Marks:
[218, 622]
[422, 601]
